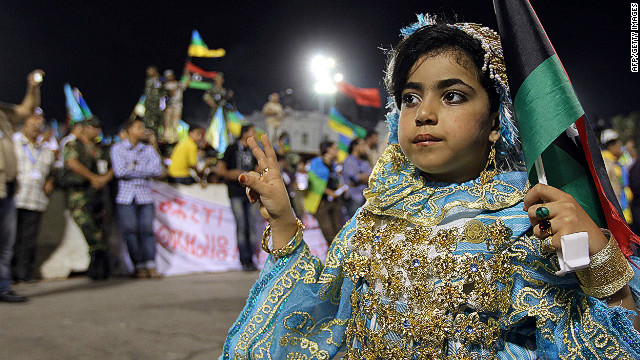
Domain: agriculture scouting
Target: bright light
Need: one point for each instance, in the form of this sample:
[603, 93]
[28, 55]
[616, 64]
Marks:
[318, 65]
[325, 78]
[325, 87]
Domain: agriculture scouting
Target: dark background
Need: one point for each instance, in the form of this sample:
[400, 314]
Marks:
[103, 47]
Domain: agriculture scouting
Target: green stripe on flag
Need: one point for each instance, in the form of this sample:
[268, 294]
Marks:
[199, 85]
[566, 174]
[341, 123]
[546, 106]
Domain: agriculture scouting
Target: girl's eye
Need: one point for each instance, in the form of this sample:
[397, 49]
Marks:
[410, 100]
[454, 97]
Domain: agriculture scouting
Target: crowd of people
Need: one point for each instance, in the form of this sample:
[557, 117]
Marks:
[103, 181]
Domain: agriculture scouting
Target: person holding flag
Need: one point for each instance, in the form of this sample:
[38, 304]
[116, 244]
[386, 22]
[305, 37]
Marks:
[454, 255]
[153, 92]
[173, 110]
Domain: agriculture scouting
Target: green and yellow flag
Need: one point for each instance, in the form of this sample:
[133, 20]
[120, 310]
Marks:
[198, 48]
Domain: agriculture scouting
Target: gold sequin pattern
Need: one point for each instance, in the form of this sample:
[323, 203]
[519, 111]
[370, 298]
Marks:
[422, 294]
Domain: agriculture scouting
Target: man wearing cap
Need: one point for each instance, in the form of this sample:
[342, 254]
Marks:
[618, 175]
[11, 115]
[87, 174]
[35, 185]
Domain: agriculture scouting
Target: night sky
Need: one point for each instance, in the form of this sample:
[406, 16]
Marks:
[103, 47]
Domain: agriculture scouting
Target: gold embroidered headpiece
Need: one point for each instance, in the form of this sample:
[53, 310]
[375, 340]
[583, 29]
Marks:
[493, 57]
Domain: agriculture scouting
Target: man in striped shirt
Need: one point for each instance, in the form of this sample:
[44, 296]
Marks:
[134, 164]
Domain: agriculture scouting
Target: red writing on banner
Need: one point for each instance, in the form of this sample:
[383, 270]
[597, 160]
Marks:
[213, 246]
[186, 211]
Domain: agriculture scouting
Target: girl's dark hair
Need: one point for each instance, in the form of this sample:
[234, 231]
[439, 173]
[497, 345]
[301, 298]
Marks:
[434, 40]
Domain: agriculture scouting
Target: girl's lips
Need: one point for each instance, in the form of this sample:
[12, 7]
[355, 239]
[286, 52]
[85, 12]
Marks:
[425, 139]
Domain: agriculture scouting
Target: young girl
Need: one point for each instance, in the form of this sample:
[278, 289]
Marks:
[453, 255]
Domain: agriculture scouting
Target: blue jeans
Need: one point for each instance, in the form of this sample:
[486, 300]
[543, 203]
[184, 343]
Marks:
[245, 227]
[136, 226]
[8, 223]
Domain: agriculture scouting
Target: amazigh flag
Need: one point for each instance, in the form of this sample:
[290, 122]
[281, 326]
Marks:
[551, 121]
[83, 105]
[217, 132]
[198, 48]
[318, 177]
[55, 128]
[361, 106]
[74, 113]
[235, 120]
[346, 132]
[182, 130]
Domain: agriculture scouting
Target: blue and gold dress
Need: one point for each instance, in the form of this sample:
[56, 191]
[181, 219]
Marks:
[429, 271]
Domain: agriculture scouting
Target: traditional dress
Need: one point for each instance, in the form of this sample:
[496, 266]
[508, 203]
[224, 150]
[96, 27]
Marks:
[429, 271]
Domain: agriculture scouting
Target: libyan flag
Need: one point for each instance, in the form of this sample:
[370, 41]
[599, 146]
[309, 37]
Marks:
[197, 77]
[361, 106]
[551, 121]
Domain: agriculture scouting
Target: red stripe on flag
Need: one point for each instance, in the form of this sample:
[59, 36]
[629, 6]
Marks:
[196, 70]
[616, 224]
[363, 96]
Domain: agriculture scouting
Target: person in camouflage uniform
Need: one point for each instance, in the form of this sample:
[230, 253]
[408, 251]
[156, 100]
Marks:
[218, 96]
[153, 91]
[88, 173]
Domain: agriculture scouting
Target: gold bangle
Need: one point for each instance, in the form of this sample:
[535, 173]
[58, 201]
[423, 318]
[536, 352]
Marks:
[287, 249]
[608, 272]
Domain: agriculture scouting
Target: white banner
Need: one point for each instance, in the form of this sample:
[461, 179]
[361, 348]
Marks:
[196, 232]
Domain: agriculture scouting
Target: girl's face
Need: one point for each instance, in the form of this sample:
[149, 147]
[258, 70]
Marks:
[445, 127]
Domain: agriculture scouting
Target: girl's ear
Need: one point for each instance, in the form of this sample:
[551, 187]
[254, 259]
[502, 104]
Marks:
[494, 135]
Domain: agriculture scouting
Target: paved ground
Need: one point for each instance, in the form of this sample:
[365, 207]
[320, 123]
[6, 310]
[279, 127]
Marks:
[185, 317]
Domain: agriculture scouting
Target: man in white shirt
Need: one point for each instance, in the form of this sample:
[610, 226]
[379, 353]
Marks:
[35, 184]
[11, 115]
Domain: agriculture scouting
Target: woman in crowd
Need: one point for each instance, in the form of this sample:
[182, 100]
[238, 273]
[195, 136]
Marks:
[453, 254]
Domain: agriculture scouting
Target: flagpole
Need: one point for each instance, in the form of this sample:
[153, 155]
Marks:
[542, 177]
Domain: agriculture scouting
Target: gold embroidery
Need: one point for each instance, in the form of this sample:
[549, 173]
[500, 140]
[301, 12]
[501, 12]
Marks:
[419, 201]
[258, 334]
[474, 231]
[422, 293]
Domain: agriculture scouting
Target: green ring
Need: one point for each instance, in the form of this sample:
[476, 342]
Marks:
[542, 212]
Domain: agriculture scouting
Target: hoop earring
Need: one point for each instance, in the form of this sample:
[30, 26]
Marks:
[486, 175]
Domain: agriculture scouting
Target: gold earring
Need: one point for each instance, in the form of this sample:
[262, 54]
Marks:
[486, 175]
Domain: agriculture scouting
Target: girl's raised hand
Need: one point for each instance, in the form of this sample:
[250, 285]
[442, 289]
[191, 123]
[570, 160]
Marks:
[268, 189]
